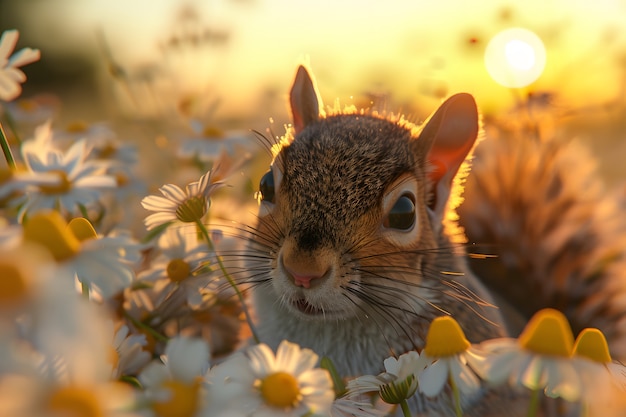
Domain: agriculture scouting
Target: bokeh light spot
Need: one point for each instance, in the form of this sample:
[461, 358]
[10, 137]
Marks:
[515, 57]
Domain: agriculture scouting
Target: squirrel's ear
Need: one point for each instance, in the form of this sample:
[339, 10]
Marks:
[451, 132]
[304, 100]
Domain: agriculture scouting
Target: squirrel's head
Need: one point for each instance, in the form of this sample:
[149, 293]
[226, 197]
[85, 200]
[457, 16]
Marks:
[353, 204]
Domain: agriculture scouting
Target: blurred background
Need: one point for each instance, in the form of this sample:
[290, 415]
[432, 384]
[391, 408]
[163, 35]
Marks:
[230, 63]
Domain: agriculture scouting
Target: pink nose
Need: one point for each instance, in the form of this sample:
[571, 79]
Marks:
[303, 280]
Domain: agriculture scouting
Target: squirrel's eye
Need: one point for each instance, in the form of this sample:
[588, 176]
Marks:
[402, 214]
[266, 187]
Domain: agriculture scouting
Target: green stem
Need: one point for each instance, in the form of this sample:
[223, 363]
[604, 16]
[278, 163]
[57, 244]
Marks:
[6, 149]
[405, 408]
[11, 123]
[85, 288]
[140, 325]
[205, 234]
[456, 394]
[533, 404]
[340, 387]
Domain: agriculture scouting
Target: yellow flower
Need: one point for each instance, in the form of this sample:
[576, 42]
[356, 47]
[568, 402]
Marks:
[445, 360]
[102, 264]
[540, 359]
[604, 381]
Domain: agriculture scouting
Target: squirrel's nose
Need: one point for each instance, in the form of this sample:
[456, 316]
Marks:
[306, 269]
[303, 278]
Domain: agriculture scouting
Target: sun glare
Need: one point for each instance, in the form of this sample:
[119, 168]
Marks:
[515, 57]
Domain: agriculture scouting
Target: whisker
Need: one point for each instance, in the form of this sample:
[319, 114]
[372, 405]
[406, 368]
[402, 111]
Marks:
[405, 293]
[383, 312]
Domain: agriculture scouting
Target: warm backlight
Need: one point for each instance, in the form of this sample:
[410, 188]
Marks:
[515, 57]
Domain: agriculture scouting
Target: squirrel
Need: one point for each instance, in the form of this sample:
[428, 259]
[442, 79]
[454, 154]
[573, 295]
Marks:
[357, 244]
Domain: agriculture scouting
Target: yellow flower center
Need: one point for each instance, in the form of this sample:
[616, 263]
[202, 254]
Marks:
[445, 338]
[107, 151]
[212, 132]
[121, 179]
[193, 209]
[27, 105]
[82, 229]
[182, 401]
[63, 187]
[178, 270]
[5, 175]
[591, 344]
[548, 333]
[13, 284]
[77, 126]
[49, 230]
[74, 401]
[280, 389]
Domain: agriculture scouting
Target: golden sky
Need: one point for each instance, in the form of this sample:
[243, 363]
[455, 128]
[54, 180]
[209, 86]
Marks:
[408, 48]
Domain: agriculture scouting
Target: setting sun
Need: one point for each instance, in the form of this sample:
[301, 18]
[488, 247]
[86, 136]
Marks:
[515, 57]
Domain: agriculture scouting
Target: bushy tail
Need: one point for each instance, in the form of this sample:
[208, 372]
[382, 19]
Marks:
[558, 235]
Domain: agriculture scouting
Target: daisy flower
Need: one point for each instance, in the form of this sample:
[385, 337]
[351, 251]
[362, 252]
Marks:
[603, 380]
[10, 75]
[79, 181]
[395, 385]
[540, 359]
[103, 265]
[173, 385]
[182, 264]
[210, 143]
[16, 182]
[26, 395]
[188, 206]
[127, 351]
[261, 384]
[445, 360]
[34, 110]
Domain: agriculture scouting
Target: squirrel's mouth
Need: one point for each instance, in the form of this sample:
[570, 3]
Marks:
[307, 308]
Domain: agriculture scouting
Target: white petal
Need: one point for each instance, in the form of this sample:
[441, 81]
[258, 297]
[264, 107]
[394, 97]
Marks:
[465, 378]
[531, 373]
[391, 366]
[34, 163]
[173, 192]
[99, 181]
[563, 381]
[74, 156]
[432, 379]
[187, 358]
[7, 42]
[24, 56]
[9, 88]
[500, 367]
[158, 203]
[261, 360]
[153, 374]
[158, 219]
[364, 384]
[291, 358]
